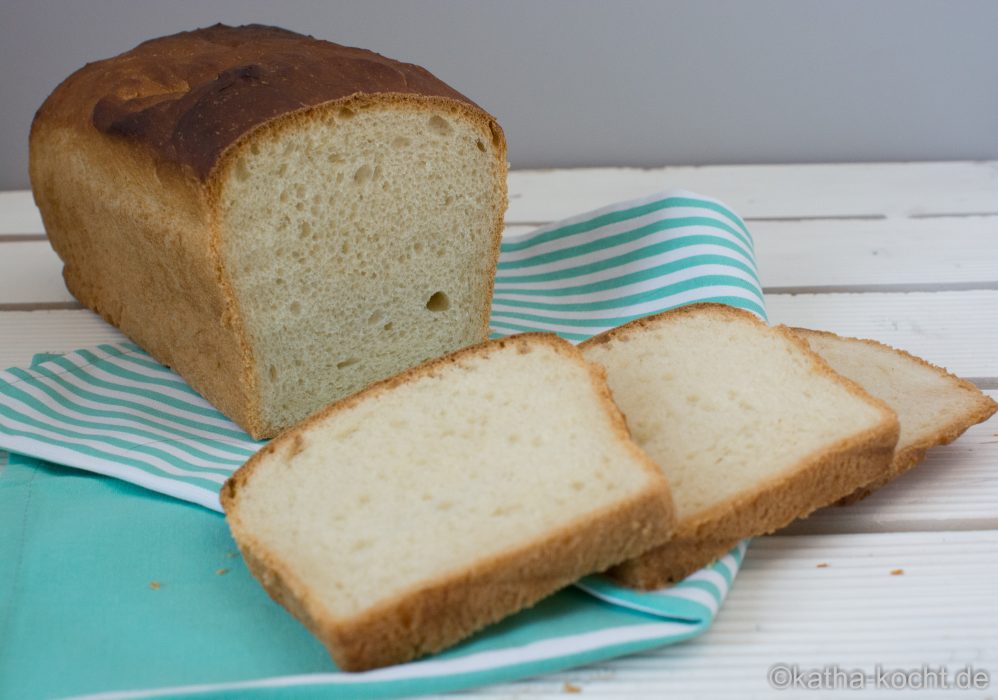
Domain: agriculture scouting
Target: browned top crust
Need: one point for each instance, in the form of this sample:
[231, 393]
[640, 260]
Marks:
[191, 95]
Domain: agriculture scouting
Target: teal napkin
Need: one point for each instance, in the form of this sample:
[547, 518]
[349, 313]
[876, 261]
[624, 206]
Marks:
[131, 590]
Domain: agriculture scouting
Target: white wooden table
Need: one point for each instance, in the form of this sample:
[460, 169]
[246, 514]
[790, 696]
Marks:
[904, 253]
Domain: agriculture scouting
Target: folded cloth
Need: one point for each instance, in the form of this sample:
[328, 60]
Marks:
[114, 411]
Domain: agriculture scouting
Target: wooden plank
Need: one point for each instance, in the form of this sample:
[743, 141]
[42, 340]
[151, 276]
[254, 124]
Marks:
[783, 608]
[18, 213]
[805, 255]
[768, 191]
[957, 330]
[754, 191]
[25, 333]
[866, 253]
[31, 273]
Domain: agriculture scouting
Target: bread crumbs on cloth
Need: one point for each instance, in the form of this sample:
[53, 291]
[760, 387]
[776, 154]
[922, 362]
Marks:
[155, 585]
[571, 688]
[822, 565]
[897, 572]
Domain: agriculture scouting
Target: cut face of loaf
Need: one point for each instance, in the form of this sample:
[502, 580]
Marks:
[357, 244]
[282, 220]
[751, 428]
[933, 406]
[404, 518]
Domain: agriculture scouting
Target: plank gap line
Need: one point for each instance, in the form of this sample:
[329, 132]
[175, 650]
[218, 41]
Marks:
[43, 306]
[21, 237]
[885, 288]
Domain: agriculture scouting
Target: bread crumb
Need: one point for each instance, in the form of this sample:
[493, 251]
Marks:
[221, 572]
[822, 565]
[154, 585]
[897, 572]
[571, 688]
[231, 555]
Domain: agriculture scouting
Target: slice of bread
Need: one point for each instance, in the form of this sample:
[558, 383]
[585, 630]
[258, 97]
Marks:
[933, 406]
[750, 427]
[402, 519]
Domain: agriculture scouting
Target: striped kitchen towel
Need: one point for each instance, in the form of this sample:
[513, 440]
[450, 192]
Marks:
[596, 271]
[113, 410]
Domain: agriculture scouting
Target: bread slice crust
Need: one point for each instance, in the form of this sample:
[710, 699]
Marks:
[946, 432]
[130, 185]
[435, 614]
[818, 480]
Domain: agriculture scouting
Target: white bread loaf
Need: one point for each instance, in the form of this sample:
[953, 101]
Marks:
[750, 427]
[402, 519]
[933, 406]
[282, 220]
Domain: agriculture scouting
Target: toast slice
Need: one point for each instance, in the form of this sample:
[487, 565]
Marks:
[400, 520]
[750, 427]
[933, 406]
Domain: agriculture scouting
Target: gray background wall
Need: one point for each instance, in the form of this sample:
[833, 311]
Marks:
[624, 82]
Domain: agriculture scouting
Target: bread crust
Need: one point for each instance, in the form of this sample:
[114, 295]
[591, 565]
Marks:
[442, 611]
[907, 457]
[189, 97]
[818, 480]
[149, 257]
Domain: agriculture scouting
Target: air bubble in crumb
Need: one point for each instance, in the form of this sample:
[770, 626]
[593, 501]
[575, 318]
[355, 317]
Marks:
[362, 175]
[439, 125]
[438, 302]
[242, 171]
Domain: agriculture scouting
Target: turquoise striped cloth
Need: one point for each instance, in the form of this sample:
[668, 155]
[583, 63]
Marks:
[114, 411]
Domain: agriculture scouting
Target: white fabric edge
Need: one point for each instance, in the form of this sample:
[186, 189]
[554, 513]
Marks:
[630, 604]
[36, 449]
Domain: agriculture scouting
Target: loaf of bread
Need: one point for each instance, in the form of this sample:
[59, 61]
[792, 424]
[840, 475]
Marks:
[402, 519]
[933, 406]
[750, 427]
[282, 220]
